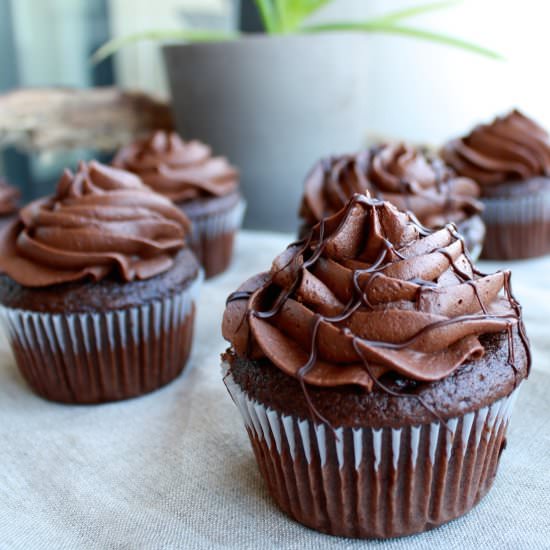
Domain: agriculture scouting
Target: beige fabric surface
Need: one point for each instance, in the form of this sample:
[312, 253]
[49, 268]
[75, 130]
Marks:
[174, 469]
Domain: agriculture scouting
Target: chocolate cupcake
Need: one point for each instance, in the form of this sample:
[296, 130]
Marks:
[9, 202]
[410, 178]
[375, 369]
[206, 188]
[510, 159]
[98, 289]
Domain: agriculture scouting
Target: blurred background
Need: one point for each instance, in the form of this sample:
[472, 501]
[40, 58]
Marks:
[414, 90]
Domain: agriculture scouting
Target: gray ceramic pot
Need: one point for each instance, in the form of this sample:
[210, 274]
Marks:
[273, 106]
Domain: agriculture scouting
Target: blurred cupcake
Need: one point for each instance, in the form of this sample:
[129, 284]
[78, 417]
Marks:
[9, 202]
[98, 288]
[206, 188]
[510, 159]
[410, 178]
[375, 369]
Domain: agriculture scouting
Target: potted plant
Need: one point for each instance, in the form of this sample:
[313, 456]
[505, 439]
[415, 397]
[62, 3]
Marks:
[274, 103]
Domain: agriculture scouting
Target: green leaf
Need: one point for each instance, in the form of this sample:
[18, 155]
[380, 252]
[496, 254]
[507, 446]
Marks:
[416, 10]
[186, 35]
[268, 15]
[286, 16]
[377, 25]
[444, 39]
[295, 12]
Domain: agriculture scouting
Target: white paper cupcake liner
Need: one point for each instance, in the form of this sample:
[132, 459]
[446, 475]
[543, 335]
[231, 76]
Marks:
[212, 237]
[375, 483]
[520, 209]
[103, 356]
[211, 225]
[517, 227]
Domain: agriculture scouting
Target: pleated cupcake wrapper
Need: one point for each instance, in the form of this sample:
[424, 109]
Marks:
[520, 209]
[103, 356]
[517, 227]
[212, 225]
[375, 483]
[212, 238]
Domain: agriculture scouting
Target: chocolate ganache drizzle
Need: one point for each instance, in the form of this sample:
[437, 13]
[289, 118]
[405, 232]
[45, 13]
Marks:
[101, 221]
[179, 170]
[9, 196]
[370, 292]
[408, 177]
[512, 147]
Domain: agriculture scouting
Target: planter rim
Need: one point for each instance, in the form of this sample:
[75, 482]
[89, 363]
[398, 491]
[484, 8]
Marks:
[263, 38]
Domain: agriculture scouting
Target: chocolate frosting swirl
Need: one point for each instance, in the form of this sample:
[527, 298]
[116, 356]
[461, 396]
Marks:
[512, 147]
[101, 221]
[9, 198]
[179, 170]
[371, 292]
[410, 178]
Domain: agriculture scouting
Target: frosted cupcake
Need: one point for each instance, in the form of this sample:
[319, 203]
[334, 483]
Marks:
[205, 187]
[98, 288]
[375, 369]
[410, 178]
[510, 159]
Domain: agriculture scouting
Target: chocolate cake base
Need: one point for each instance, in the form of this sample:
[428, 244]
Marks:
[473, 386]
[109, 294]
[379, 466]
[215, 223]
[76, 345]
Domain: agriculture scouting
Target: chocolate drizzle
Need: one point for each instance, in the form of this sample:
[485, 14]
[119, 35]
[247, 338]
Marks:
[406, 313]
[238, 295]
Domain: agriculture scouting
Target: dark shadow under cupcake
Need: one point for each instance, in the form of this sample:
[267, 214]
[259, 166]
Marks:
[410, 178]
[98, 292]
[205, 187]
[510, 159]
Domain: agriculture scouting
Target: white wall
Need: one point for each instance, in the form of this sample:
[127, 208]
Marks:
[426, 92]
[418, 91]
[140, 66]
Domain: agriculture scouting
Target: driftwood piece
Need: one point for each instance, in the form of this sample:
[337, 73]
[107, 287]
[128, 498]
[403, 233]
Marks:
[46, 119]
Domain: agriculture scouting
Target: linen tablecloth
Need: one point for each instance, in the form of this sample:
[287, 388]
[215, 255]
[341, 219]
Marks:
[174, 469]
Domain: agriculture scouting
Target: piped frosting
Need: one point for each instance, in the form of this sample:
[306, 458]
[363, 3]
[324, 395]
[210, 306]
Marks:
[511, 148]
[409, 177]
[181, 171]
[370, 292]
[100, 222]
